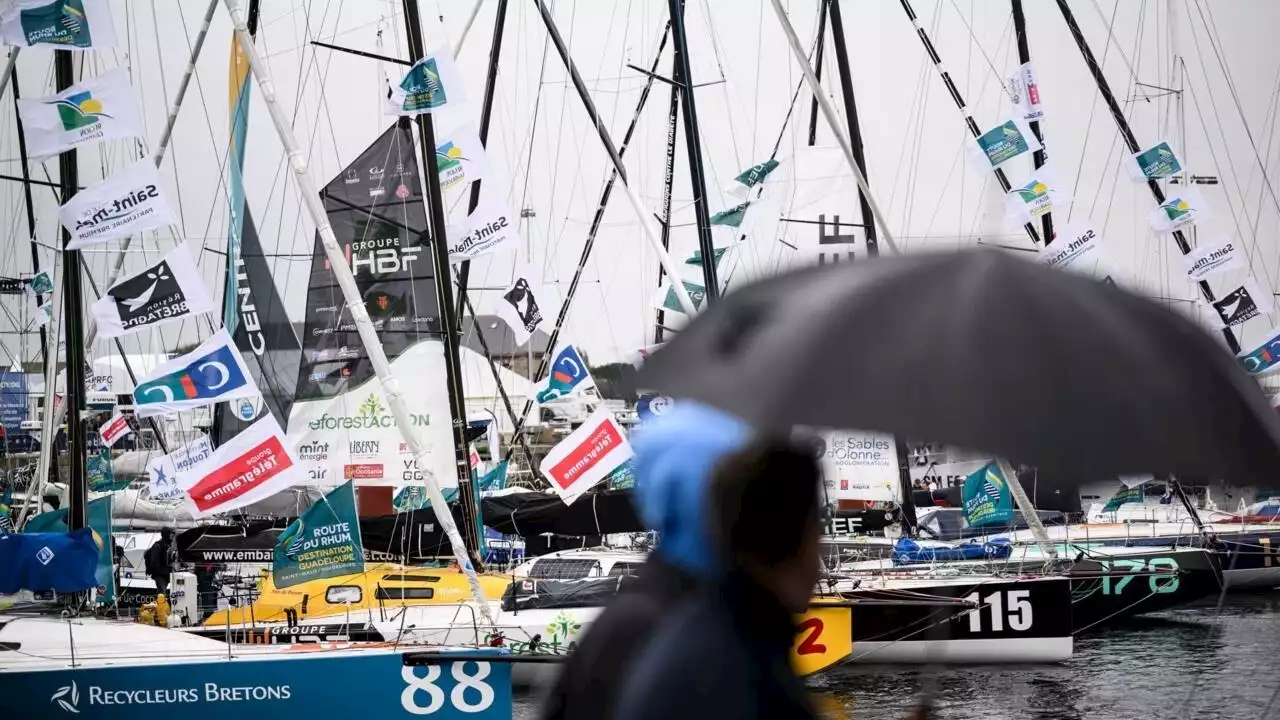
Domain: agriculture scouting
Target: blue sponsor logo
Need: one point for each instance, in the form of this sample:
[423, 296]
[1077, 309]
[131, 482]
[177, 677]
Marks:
[208, 377]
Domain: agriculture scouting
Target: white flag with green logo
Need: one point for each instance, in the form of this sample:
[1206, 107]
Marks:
[751, 178]
[64, 24]
[1040, 194]
[1154, 163]
[460, 157]
[100, 108]
[1002, 143]
[1182, 206]
[432, 83]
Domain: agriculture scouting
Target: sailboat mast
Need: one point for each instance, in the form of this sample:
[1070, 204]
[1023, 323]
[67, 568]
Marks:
[77, 489]
[1132, 143]
[817, 71]
[467, 499]
[668, 179]
[1024, 57]
[851, 115]
[31, 221]
[684, 83]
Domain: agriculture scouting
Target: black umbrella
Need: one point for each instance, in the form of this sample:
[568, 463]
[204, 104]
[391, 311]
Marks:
[985, 351]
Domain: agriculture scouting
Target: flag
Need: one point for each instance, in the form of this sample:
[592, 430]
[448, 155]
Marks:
[412, 498]
[1136, 480]
[460, 157]
[473, 457]
[1183, 206]
[6, 510]
[1002, 143]
[495, 479]
[986, 496]
[1244, 303]
[102, 477]
[432, 83]
[98, 518]
[1071, 245]
[568, 373]
[323, 542]
[166, 471]
[624, 477]
[114, 429]
[100, 108]
[696, 258]
[64, 24]
[1026, 93]
[1265, 357]
[41, 283]
[249, 467]
[651, 406]
[749, 178]
[586, 456]
[732, 217]
[520, 306]
[1040, 194]
[209, 374]
[167, 291]
[697, 293]
[1211, 258]
[1126, 494]
[1154, 163]
[488, 228]
[124, 204]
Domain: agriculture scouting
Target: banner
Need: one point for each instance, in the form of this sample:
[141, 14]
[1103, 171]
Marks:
[100, 108]
[1126, 494]
[101, 476]
[166, 471]
[124, 204]
[252, 466]
[432, 83]
[1071, 245]
[586, 456]
[1026, 94]
[521, 305]
[323, 542]
[1002, 143]
[1184, 206]
[167, 291]
[1036, 197]
[696, 257]
[732, 217]
[209, 374]
[1244, 303]
[987, 499]
[1153, 164]
[98, 518]
[490, 227]
[749, 178]
[495, 479]
[64, 24]
[13, 400]
[1265, 357]
[1211, 258]
[41, 283]
[697, 293]
[460, 157]
[860, 466]
[569, 373]
[114, 429]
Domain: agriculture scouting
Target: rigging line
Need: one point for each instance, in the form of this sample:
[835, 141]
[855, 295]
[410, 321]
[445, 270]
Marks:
[1075, 188]
[1133, 74]
[973, 41]
[1273, 115]
[164, 93]
[533, 130]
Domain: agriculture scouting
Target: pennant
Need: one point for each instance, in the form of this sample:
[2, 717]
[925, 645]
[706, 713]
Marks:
[209, 374]
[1244, 303]
[168, 291]
[114, 429]
[1212, 258]
[495, 479]
[102, 477]
[41, 283]
[490, 227]
[1035, 198]
[749, 178]
[1153, 164]
[323, 542]
[569, 373]
[586, 456]
[64, 24]
[1002, 143]
[1185, 207]
[432, 83]
[126, 203]
[1071, 245]
[732, 217]
[1126, 494]
[697, 293]
[987, 498]
[696, 258]
[100, 108]
[249, 467]
[460, 157]
[1026, 94]
[166, 471]
[521, 306]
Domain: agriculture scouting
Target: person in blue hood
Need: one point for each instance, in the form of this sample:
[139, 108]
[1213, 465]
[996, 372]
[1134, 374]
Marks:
[675, 456]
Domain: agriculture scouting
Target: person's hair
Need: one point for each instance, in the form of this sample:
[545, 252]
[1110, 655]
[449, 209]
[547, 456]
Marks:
[763, 498]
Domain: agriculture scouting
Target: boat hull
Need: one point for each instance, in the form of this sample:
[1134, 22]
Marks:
[1249, 560]
[1106, 590]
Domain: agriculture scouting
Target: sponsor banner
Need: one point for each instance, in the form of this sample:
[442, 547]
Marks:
[1242, 304]
[460, 157]
[167, 291]
[1183, 206]
[41, 283]
[1026, 93]
[521, 305]
[44, 314]
[102, 477]
[1002, 143]
[63, 24]
[363, 471]
[1265, 357]
[731, 217]
[323, 542]
[209, 374]
[1211, 258]
[1041, 194]
[432, 83]
[114, 429]
[586, 456]
[495, 479]
[987, 498]
[252, 466]
[860, 466]
[697, 293]
[1071, 245]
[750, 178]
[1127, 494]
[166, 471]
[1154, 163]
[944, 475]
[569, 374]
[124, 204]
[100, 108]
[490, 227]
[13, 400]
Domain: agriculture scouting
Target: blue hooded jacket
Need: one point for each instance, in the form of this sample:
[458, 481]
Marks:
[675, 454]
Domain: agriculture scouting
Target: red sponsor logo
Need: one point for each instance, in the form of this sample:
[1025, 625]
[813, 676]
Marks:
[844, 484]
[585, 456]
[115, 429]
[241, 475]
[362, 472]
[1033, 94]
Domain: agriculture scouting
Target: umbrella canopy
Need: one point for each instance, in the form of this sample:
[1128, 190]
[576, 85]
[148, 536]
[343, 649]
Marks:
[982, 350]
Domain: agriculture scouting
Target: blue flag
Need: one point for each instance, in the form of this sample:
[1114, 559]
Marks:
[987, 499]
[207, 375]
[98, 515]
[323, 543]
[568, 373]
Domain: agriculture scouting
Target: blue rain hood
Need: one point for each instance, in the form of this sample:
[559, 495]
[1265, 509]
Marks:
[675, 454]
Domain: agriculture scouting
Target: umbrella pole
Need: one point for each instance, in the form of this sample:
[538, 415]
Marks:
[1028, 510]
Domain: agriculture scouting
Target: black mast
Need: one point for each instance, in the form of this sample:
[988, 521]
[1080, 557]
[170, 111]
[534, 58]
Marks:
[1024, 57]
[448, 316]
[672, 111]
[851, 115]
[817, 72]
[73, 312]
[684, 83]
[31, 218]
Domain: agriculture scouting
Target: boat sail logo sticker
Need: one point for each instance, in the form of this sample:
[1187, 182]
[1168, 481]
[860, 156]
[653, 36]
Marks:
[67, 697]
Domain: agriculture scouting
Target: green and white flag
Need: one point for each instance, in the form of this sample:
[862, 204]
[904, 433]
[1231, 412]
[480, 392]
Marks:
[1179, 209]
[460, 157]
[1126, 494]
[1041, 194]
[432, 83]
[64, 24]
[323, 542]
[697, 293]
[42, 283]
[1155, 163]
[732, 217]
[100, 108]
[1002, 143]
[696, 258]
[750, 178]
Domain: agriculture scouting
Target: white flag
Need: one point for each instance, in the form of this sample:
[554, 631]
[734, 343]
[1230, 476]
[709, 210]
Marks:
[460, 157]
[1182, 207]
[1244, 303]
[1026, 93]
[1071, 245]
[209, 374]
[252, 466]
[521, 305]
[167, 291]
[64, 24]
[166, 471]
[114, 429]
[432, 83]
[100, 108]
[1042, 193]
[489, 228]
[1211, 258]
[586, 456]
[128, 202]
